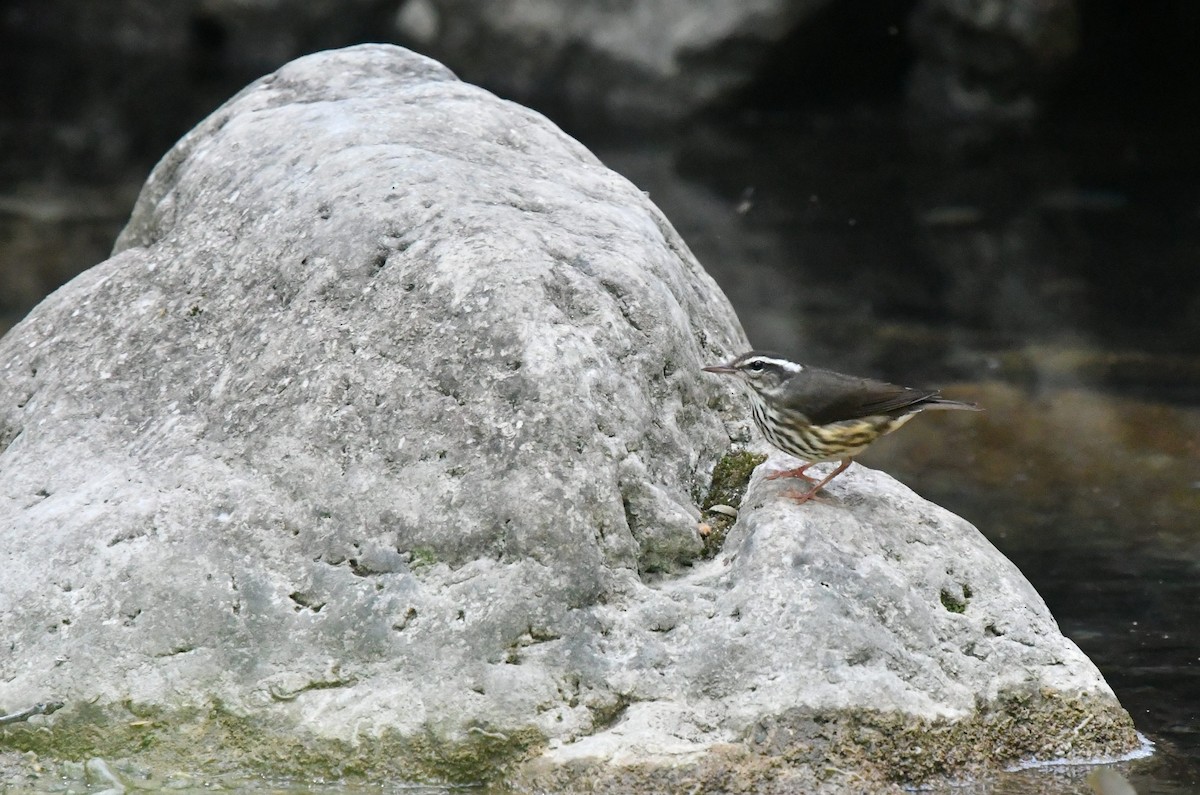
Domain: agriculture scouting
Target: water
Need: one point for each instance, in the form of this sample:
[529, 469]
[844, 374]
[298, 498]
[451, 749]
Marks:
[1048, 274]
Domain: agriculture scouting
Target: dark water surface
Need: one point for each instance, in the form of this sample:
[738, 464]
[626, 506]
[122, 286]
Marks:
[1050, 274]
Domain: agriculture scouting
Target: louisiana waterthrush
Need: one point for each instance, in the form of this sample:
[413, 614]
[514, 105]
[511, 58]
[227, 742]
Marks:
[819, 415]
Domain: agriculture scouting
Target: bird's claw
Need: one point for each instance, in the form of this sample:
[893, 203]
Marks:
[798, 472]
[801, 497]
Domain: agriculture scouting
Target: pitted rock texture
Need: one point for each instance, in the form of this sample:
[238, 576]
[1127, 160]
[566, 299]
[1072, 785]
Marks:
[371, 334]
[385, 418]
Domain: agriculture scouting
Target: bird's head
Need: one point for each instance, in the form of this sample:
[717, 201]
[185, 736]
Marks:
[766, 373]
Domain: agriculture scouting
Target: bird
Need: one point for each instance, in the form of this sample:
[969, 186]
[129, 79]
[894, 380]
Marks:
[820, 415]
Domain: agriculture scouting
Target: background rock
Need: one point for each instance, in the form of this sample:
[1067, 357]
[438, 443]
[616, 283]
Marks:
[991, 60]
[384, 422]
[640, 63]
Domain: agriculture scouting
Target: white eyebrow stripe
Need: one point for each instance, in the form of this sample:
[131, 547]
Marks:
[782, 364]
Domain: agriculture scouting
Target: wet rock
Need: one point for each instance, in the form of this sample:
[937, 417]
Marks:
[639, 64]
[379, 440]
[992, 60]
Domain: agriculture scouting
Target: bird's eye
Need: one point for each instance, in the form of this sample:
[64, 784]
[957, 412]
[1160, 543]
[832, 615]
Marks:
[756, 366]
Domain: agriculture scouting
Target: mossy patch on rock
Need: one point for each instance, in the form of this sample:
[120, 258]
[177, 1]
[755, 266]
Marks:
[1019, 726]
[956, 602]
[215, 741]
[866, 750]
[730, 477]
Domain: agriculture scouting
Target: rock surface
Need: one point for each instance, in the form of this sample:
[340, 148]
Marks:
[378, 442]
[819, 626]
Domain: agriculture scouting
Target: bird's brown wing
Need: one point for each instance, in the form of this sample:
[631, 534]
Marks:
[825, 397]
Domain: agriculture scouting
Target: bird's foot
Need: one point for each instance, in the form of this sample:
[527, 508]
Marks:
[801, 497]
[808, 496]
[798, 472]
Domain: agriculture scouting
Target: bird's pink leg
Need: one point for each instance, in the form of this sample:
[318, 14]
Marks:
[803, 497]
[798, 472]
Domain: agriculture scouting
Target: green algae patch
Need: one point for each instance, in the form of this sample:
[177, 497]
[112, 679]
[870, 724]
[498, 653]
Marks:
[910, 751]
[834, 751]
[730, 478]
[423, 557]
[217, 742]
[726, 768]
[955, 602]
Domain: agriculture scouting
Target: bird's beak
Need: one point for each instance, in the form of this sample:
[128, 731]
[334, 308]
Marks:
[719, 369]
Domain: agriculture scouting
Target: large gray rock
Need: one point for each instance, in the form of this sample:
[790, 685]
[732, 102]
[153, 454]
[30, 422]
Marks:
[376, 447]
